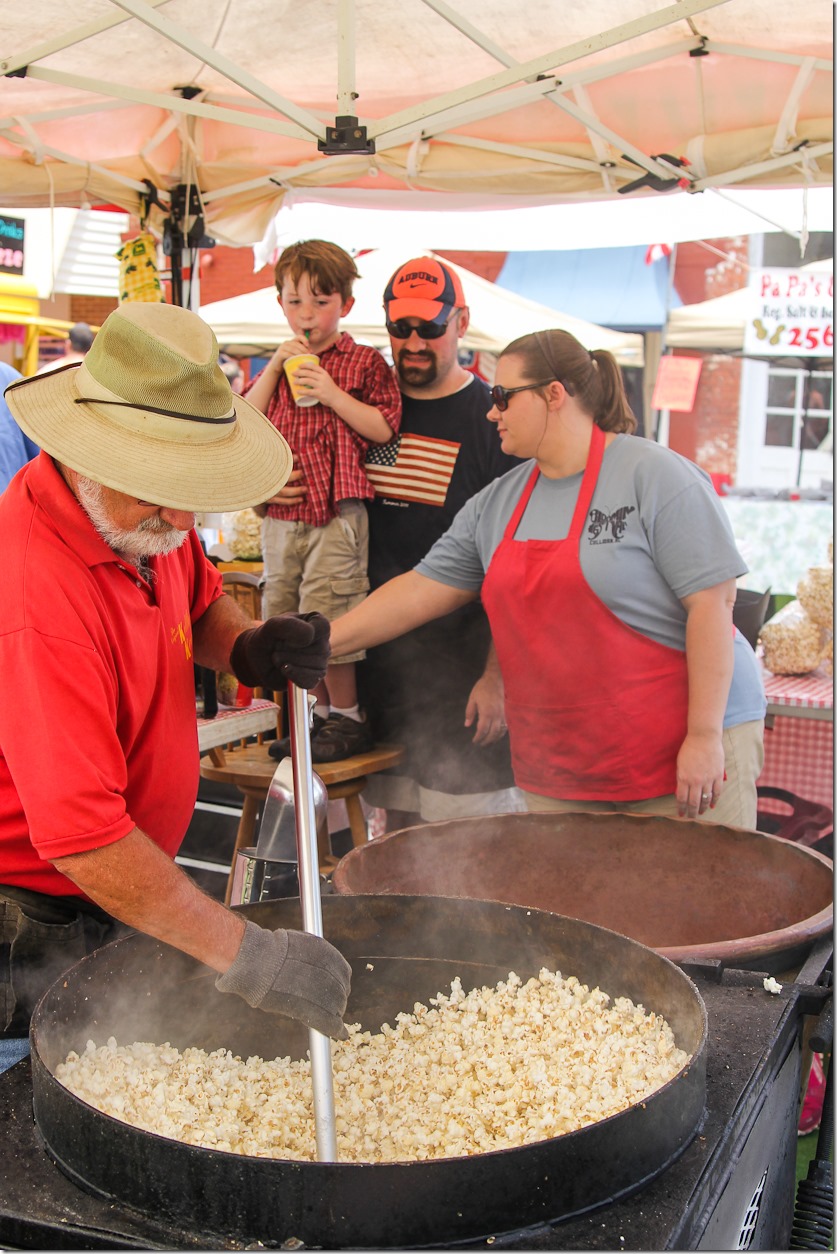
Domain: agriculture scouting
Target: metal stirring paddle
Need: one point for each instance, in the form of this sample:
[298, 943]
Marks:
[312, 913]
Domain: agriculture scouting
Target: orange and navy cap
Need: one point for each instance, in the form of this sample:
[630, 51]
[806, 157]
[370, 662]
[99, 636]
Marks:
[423, 288]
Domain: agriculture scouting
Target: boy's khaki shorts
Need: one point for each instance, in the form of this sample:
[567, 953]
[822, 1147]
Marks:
[322, 569]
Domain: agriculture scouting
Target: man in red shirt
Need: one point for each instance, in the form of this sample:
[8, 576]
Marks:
[109, 603]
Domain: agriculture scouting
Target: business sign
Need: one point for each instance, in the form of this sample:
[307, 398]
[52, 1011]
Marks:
[676, 384]
[790, 313]
[11, 245]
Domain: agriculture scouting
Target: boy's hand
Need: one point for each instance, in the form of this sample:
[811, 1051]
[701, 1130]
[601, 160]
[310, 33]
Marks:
[318, 383]
[289, 348]
[292, 492]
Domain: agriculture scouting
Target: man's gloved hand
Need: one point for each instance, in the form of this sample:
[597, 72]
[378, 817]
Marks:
[287, 646]
[293, 974]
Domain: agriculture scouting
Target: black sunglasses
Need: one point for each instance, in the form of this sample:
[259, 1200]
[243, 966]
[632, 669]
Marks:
[402, 330]
[500, 395]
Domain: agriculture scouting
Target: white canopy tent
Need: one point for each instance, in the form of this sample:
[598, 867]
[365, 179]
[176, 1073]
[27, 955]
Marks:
[717, 325]
[205, 114]
[361, 220]
[255, 320]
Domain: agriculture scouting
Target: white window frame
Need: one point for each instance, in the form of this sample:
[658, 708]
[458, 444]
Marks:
[778, 466]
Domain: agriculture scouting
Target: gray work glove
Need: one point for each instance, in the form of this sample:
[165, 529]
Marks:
[286, 646]
[291, 973]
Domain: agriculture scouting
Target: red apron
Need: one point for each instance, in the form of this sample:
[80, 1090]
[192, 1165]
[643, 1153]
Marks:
[595, 710]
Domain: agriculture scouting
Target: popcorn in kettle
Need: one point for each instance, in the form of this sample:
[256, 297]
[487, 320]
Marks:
[491, 1069]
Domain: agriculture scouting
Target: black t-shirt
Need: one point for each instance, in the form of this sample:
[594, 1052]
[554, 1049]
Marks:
[415, 688]
[447, 451]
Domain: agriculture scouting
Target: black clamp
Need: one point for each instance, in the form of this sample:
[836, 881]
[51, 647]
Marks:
[346, 136]
[174, 237]
[655, 181]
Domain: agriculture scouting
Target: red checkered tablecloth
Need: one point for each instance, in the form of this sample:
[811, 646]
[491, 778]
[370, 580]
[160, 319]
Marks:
[799, 736]
[803, 692]
[799, 757]
[236, 723]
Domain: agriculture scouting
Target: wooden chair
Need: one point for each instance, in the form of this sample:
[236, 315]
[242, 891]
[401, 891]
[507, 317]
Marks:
[250, 768]
[246, 589]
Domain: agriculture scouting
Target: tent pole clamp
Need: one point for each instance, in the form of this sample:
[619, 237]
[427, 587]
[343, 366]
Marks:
[346, 136]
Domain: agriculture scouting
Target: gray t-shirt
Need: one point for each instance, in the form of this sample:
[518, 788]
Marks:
[655, 532]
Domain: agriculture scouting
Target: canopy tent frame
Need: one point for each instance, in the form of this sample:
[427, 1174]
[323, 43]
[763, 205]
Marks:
[434, 116]
[368, 145]
[439, 113]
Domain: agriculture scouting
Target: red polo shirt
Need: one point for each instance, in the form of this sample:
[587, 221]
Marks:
[97, 690]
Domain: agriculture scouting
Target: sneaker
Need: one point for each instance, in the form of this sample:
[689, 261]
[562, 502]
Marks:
[280, 749]
[340, 738]
[811, 1115]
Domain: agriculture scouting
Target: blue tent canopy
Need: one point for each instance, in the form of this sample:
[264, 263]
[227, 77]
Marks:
[614, 287]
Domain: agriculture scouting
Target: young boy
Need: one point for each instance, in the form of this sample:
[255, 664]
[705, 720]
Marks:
[315, 533]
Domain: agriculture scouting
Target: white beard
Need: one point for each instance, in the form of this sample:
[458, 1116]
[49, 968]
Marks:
[153, 537]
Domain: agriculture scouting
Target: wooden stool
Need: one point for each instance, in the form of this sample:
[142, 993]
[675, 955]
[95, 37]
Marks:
[251, 769]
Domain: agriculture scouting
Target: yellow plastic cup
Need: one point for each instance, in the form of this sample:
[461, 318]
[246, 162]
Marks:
[300, 394]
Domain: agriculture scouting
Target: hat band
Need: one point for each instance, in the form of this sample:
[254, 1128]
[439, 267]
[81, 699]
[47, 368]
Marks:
[152, 409]
[154, 422]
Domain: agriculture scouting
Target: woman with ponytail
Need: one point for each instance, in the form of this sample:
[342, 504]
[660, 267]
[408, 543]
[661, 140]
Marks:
[608, 570]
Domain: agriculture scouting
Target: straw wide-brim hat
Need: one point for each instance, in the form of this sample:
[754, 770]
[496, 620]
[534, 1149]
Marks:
[150, 412]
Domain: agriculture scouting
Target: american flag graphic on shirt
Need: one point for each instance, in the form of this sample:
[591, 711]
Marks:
[412, 468]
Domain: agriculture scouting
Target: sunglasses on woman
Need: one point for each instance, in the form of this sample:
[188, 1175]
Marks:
[500, 395]
[401, 329]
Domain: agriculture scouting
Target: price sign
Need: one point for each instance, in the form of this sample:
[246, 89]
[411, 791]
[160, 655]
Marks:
[676, 385]
[790, 313]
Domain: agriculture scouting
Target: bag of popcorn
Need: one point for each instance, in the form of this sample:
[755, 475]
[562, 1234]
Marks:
[816, 595]
[792, 643]
[244, 529]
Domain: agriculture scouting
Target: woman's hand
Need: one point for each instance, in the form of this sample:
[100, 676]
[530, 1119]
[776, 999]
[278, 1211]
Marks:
[700, 774]
[486, 705]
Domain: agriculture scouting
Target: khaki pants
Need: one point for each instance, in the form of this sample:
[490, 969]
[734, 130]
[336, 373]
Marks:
[736, 807]
[322, 569]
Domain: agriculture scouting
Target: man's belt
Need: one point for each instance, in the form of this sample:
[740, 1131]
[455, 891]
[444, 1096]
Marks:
[46, 908]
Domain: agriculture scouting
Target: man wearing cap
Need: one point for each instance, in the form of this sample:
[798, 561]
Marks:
[436, 690]
[109, 602]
